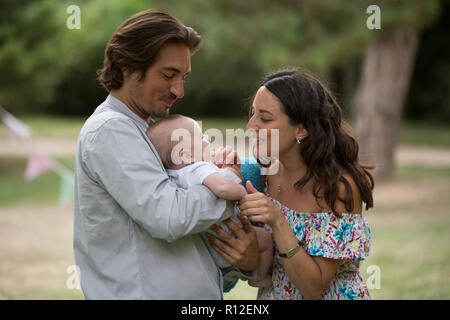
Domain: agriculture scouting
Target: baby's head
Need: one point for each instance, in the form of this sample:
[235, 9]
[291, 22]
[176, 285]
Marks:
[179, 141]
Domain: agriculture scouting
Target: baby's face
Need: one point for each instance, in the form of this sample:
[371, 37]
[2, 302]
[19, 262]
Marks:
[202, 140]
[193, 146]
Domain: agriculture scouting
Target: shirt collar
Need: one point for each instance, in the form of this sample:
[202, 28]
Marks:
[119, 106]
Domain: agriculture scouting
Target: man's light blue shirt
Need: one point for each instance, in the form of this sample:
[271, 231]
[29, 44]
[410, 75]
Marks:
[136, 235]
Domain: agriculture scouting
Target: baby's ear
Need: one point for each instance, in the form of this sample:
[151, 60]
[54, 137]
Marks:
[185, 156]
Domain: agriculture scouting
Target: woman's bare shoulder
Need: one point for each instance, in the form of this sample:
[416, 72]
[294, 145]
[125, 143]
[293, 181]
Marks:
[357, 202]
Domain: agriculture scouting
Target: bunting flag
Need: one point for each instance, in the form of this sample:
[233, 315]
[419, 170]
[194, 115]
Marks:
[17, 129]
[66, 189]
[37, 165]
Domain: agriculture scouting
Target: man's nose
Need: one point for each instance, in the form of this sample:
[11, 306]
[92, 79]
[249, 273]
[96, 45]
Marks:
[178, 89]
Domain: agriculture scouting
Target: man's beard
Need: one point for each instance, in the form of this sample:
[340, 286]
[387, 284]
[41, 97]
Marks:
[159, 114]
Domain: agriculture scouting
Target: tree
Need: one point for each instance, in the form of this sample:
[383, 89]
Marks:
[379, 100]
[321, 36]
[385, 79]
[429, 93]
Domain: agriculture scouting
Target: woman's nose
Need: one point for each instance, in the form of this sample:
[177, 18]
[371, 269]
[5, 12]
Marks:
[251, 124]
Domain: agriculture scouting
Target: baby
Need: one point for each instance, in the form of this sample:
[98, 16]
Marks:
[187, 163]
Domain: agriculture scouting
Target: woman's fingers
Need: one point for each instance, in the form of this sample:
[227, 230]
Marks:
[257, 218]
[259, 208]
[255, 202]
[251, 200]
[252, 212]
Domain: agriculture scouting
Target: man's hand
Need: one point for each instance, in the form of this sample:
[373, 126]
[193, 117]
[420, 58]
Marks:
[242, 252]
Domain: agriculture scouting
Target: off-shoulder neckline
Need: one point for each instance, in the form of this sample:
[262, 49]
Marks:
[312, 213]
[302, 212]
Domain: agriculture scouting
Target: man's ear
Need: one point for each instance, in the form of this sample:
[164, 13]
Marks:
[300, 132]
[125, 73]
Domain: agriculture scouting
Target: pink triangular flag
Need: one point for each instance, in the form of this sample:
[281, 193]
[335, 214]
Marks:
[37, 164]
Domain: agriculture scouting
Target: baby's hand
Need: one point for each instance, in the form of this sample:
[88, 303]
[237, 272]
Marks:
[226, 157]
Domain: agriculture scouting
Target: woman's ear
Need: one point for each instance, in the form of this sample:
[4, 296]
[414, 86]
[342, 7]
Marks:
[300, 132]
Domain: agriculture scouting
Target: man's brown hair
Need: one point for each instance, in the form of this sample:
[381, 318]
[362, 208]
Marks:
[136, 42]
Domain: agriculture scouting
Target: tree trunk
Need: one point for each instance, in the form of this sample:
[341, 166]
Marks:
[380, 96]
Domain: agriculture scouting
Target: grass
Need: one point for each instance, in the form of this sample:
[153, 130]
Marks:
[427, 134]
[410, 237]
[418, 172]
[410, 133]
[410, 223]
[410, 227]
[51, 127]
[15, 190]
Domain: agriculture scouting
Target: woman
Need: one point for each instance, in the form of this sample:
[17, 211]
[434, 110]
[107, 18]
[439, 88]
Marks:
[312, 205]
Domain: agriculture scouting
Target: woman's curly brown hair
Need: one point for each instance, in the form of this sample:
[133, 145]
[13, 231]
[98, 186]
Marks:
[329, 149]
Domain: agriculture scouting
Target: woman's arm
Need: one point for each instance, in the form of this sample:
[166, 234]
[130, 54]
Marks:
[309, 274]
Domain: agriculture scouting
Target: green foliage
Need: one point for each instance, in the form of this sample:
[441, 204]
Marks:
[429, 95]
[78, 91]
[49, 68]
[29, 63]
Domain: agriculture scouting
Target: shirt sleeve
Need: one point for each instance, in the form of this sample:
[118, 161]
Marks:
[230, 175]
[202, 169]
[199, 171]
[118, 157]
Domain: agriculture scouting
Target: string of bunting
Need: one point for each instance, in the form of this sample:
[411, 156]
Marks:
[38, 163]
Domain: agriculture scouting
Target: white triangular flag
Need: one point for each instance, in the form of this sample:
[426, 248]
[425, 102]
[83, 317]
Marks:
[17, 128]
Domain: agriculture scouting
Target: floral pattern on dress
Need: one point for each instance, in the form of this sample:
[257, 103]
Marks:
[323, 234]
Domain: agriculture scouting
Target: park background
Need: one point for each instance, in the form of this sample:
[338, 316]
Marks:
[393, 84]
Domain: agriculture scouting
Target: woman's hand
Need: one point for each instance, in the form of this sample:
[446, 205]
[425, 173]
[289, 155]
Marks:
[259, 208]
[242, 252]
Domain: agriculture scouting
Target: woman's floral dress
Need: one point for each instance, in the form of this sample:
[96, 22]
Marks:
[325, 235]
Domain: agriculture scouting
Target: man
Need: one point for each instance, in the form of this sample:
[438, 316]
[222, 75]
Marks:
[135, 234]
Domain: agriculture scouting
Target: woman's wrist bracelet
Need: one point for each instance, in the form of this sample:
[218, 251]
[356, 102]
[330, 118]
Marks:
[291, 252]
